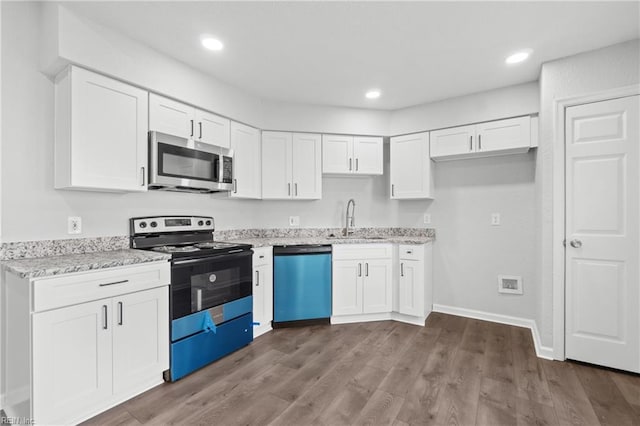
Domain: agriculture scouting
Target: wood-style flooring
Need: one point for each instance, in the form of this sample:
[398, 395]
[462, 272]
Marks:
[454, 371]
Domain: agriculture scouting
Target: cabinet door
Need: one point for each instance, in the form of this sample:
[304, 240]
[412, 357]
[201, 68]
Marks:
[337, 154]
[509, 135]
[307, 166]
[212, 129]
[453, 142]
[262, 298]
[247, 161]
[140, 338]
[377, 286]
[108, 135]
[276, 165]
[411, 288]
[411, 167]
[171, 117]
[367, 154]
[346, 287]
[72, 361]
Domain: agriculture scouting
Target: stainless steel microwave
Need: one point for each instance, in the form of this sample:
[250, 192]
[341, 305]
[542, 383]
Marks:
[179, 164]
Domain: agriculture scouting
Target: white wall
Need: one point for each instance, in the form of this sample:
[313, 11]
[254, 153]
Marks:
[608, 68]
[511, 101]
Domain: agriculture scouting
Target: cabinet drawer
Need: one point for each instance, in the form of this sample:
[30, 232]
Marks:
[361, 251]
[411, 251]
[262, 256]
[70, 289]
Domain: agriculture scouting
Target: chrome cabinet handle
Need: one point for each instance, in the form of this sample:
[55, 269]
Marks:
[295, 186]
[261, 257]
[359, 269]
[356, 164]
[200, 125]
[235, 186]
[402, 269]
[191, 128]
[349, 164]
[576, 243]
[288, 189]
[366, 269]
[105, 324]
[479, 142]
[257, 278]
[470, 143]
[143, 177]
[113, 283]
[120, 313]
[392, 189]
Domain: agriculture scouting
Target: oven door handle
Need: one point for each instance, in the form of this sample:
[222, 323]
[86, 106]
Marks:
[231, 254]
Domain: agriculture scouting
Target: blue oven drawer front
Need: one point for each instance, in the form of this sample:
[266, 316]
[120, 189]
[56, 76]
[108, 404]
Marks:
[194, 323]
[203, 348]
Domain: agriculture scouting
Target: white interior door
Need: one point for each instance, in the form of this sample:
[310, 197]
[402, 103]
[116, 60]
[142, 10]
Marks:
[602, 233]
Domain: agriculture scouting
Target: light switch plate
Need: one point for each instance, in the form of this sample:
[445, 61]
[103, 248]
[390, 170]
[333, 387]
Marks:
[495, 219]
[427, 218]
[294, 220]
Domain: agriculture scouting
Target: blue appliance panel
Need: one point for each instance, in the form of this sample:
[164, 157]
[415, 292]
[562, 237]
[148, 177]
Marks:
[200, 349]
[302, 287]
[194, 323]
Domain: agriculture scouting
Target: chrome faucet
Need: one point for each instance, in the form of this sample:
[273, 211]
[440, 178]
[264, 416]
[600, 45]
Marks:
[351, 219]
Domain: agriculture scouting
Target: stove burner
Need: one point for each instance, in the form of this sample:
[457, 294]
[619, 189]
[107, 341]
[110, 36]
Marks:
[174, 249]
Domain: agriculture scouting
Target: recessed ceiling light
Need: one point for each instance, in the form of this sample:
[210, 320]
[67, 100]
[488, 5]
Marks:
[373, 94]
[212, 43]
[518, 57]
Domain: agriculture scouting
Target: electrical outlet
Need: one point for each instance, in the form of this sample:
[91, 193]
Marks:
[495, 219]
[74, 225]
[427, 218]
[294, 220]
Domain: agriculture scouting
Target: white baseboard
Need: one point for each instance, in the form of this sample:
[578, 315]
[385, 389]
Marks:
[541, 351]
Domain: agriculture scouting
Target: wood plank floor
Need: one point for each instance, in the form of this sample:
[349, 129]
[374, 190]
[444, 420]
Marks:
[454, 371]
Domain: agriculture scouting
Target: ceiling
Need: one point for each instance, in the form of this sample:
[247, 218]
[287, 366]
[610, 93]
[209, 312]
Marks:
[330, 52]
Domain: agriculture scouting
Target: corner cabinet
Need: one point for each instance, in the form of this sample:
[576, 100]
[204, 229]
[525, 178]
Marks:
[247, 161]
[96, 339]
[262, 290]
[182, 120]
[100, 133]
[411, 175]
[351, 155]
[291, 166]
[500, 137]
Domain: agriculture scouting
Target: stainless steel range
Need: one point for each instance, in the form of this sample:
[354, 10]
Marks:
[211, 302]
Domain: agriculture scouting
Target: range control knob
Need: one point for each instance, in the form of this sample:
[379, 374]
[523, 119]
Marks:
[153, 224]
[208, 223]
[143, 225]
[200, 223]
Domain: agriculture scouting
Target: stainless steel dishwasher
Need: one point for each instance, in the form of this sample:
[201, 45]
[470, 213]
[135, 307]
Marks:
[301, 284]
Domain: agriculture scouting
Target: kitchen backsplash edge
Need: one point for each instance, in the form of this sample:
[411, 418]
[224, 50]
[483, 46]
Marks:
[44, 248]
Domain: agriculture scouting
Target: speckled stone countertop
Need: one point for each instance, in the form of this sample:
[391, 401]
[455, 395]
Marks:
[56, 265]
[287, 236]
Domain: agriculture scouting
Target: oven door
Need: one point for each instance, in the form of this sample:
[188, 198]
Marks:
[183, 163]
[199, 284]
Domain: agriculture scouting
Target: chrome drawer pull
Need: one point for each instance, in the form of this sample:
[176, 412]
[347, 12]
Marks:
[113, 283]
[105, 323]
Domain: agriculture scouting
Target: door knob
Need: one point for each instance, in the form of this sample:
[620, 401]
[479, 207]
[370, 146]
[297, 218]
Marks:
[576, 243]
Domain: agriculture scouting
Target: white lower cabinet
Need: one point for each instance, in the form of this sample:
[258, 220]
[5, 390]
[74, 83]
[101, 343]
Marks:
[92, 354]
[262, 289]
[362, 279]
[414, 281]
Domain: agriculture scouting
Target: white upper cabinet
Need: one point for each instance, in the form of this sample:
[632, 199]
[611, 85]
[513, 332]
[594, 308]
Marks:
[247, 162]
[291, 166]
[178, 119]
[358, 155]
[411, 169]
[101, 133]
[499, 137]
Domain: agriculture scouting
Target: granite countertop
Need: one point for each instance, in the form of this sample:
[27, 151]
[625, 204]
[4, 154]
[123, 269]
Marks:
[291, 241]
[56, 265]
